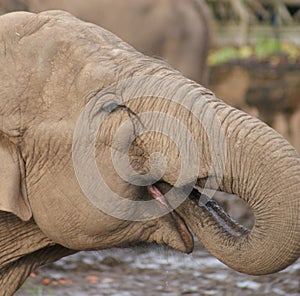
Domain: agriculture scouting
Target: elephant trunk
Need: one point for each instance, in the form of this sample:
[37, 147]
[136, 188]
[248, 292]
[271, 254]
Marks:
[236, 154]
[264, 170]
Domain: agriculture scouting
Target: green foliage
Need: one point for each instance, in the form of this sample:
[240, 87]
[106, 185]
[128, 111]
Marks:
[264, 49]
[223, 55]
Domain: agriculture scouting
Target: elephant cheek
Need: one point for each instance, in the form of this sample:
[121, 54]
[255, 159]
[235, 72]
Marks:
[67, 217]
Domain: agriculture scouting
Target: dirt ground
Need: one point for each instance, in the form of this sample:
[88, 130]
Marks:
[154, 272]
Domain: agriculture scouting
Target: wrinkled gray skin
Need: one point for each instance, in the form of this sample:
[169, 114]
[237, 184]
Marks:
[52, 65]
[175, 30]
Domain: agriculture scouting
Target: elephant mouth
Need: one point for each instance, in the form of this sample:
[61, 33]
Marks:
[210, 212]
[187, 241]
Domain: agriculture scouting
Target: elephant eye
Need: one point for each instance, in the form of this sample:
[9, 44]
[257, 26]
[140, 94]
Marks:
[109, 107]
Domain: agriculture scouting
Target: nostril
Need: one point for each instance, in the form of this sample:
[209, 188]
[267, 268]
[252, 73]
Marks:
[221, 217]
[236, 207]
[225, 220]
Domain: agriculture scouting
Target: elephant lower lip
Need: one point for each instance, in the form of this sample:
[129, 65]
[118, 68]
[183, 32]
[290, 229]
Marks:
[186, 235]
[183, 230]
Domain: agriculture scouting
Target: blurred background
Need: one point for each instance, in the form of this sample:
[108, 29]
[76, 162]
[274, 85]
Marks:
[248, 53]
[255, 60]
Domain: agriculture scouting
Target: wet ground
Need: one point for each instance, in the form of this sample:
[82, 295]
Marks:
[157, 272]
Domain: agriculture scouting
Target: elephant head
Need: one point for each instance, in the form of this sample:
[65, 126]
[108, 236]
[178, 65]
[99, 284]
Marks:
[177, 31]
[104, 147]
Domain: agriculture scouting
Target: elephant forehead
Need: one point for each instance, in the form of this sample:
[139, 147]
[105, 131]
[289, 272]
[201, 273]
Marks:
[35, 78]
[76, 59]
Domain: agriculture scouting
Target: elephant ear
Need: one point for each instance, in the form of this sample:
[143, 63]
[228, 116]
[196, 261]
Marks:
[13, 196]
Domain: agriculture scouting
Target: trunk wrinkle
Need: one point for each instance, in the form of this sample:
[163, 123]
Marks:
[264, 170]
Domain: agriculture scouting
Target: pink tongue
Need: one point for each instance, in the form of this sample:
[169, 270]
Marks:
[156, 194]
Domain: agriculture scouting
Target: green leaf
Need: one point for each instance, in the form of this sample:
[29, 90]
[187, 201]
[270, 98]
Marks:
[266, 47]
[223, 55]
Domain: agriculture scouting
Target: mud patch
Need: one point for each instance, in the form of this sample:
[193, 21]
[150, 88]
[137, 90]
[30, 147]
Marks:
[135, 272]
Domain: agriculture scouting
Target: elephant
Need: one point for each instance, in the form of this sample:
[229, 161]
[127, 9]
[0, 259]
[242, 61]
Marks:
[102, 146]
[177, 31]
